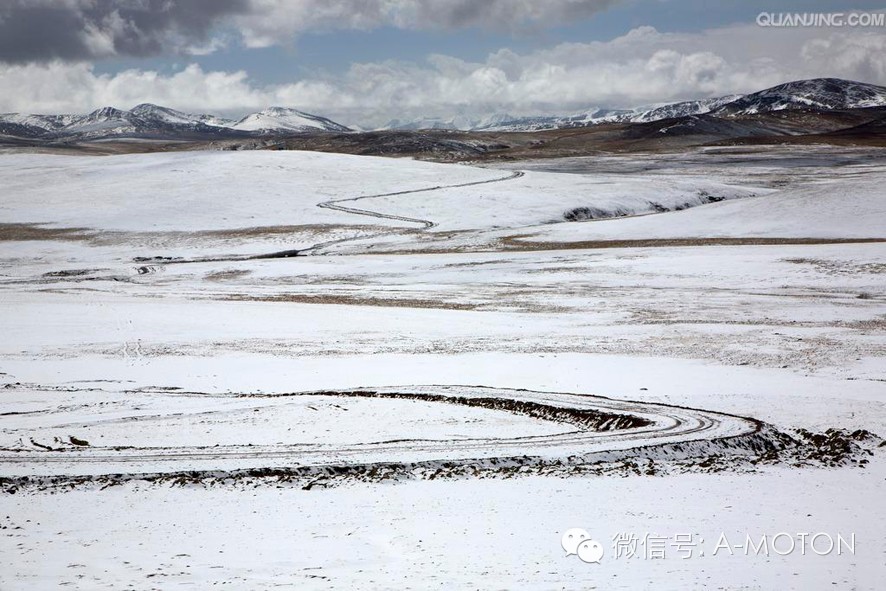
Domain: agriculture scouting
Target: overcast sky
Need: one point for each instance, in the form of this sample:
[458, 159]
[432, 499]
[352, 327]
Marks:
[368, 61]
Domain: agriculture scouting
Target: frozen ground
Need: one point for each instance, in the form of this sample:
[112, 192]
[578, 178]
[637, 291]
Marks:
[464, 534]
[147, 332]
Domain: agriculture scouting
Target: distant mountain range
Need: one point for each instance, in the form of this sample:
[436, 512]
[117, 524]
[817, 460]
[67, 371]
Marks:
[819, 93]
[147, 121]
[152, 121]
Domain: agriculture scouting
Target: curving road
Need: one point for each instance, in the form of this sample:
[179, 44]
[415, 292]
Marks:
[597, 426]
[334, 204]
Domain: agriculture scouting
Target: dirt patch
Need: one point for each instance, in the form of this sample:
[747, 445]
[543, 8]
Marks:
[873, 324]
[72, 273]
[348, 300]
[227, 274]
[840, 267]
[435, 244]
[517, 243]
[22, 232]
[263, 231]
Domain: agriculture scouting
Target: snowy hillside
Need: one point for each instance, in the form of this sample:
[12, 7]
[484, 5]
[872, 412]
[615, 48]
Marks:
[165, 115]
[282, 119]
[540, 122]
[819, 93]
[44, 122]
[196, 395]
[684, 109]
[105, 120]
[508, 122]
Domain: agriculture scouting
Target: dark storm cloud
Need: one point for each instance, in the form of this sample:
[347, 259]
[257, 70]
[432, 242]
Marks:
[83, 30]
[276, 21]
[43, 30]
[507, 14]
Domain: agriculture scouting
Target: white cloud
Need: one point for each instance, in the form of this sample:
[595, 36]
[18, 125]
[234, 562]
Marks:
[641, 67]
[863, 54]
[61, 87]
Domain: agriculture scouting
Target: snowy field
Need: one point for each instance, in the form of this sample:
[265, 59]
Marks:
[292, 369]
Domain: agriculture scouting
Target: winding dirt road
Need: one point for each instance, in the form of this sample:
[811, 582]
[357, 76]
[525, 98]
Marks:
[425, 224]
[335, 205]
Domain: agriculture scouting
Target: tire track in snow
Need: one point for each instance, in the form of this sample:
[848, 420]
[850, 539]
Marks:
[598, 428]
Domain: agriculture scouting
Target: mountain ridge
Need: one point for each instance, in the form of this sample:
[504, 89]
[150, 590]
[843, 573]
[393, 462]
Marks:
[147, 120]
[820, 93]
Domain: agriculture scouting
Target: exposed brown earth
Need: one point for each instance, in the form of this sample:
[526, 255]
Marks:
[349, 300]
[515, 242]
[20, 232]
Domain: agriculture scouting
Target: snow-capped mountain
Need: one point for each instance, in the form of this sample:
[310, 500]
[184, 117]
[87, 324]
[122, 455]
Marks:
[283, 119]
[458, 122]
[105, 121]
[44, 122]
[165, 115]
[154, 121]
[508, 122]
[19, 130]
[597, 115]
[682, 109]
[504, 122]
[821, 93]
[542, 122]
[818, 93]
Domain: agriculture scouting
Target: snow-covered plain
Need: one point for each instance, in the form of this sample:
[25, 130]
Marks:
[109, 341]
